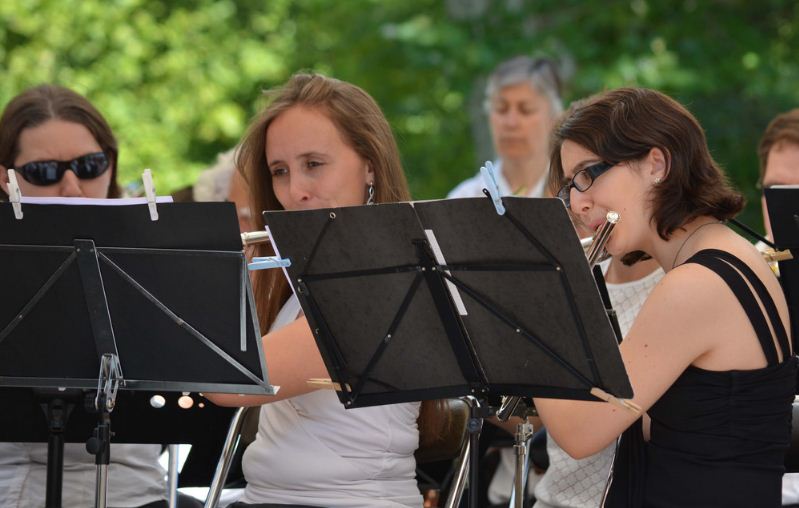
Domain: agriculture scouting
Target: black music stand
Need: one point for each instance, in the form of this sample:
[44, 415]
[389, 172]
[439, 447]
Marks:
[783, 212]
[426, 300]
[152, 305]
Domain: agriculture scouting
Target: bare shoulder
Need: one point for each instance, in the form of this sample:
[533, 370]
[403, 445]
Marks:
[681, 311]
[689, 288]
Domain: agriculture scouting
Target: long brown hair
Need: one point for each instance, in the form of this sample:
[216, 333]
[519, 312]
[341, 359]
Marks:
[364, 127]
[39, 104]
[624, 125]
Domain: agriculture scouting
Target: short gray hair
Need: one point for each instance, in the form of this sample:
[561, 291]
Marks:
[540, 73]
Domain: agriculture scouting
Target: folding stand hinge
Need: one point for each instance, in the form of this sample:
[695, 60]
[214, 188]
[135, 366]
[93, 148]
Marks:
[108, 382]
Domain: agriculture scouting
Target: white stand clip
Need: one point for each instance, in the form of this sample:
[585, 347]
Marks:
[490, 179]
[149, 192]
[14, 194]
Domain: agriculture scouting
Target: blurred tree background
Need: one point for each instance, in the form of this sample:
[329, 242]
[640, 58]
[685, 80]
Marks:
[179, 79]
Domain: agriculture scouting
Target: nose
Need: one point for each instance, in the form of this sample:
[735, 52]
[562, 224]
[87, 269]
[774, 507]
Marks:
[69, 186]
[299, 190]
[579, 202]
[510, 118]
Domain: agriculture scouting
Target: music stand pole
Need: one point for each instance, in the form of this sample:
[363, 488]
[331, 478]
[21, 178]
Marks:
[57, 411]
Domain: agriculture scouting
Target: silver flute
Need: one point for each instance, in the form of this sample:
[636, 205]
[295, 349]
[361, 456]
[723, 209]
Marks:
[253, 237]
[595, 246]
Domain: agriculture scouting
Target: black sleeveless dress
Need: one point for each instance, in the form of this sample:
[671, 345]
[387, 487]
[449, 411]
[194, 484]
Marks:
[718, 438]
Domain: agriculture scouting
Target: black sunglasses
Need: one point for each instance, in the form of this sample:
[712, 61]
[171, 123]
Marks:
[85, 167]
[582, 180]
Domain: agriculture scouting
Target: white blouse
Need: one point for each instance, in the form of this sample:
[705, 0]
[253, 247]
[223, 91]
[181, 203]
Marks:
[309, 450]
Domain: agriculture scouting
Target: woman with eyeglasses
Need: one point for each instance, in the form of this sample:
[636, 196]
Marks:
[60, 145]
[709, 356]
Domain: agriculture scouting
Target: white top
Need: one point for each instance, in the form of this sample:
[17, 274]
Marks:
[580, 483]
[134, 476]
[473, 187]
[309, 450]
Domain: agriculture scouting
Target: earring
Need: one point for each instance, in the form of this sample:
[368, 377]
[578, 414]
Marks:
[658, 180]
[370, 191]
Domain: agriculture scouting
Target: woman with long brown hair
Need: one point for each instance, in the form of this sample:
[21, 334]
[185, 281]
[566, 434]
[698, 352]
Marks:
[320, 143]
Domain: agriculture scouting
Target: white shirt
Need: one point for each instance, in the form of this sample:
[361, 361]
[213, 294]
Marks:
[310, 450]
[473, 187]
[135, 477]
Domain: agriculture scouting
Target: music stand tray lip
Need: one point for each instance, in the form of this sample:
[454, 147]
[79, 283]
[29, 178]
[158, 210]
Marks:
[138, 385]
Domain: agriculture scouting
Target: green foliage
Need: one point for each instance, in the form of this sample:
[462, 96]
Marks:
[179, 80]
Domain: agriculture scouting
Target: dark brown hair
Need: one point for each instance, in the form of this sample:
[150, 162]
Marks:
[39, 104]
[783, 128]
[623, 125]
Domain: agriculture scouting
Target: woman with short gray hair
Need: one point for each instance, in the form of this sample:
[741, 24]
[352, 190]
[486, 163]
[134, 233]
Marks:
[522, 102]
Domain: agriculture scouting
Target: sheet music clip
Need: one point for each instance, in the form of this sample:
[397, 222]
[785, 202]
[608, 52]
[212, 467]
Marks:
[14, 194]
[149, 192]
[265, 263]
[490, 179]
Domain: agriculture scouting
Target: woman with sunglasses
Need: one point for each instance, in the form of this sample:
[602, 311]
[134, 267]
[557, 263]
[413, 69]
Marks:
[321, 143]
[709, 356]
[60, 145]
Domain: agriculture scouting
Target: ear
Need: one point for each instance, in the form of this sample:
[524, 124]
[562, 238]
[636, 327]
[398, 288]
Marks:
[658, 164]
[4, 178]
[370, 173]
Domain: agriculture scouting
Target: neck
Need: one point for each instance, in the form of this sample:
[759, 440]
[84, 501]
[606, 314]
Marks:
[684, 242]
[524, 174]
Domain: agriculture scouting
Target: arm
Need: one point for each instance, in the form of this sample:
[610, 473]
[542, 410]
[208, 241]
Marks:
[292, 358]
[674, 328]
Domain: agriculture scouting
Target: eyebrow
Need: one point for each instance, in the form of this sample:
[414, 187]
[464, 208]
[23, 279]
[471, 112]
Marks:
[303, 155]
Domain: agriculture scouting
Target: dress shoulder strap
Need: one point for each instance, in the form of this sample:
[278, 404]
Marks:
[736, 274]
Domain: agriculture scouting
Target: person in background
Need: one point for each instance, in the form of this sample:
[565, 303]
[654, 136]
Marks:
[779, 165]
[61, 146]
[221, 182]
[522, 100]
[779, 156]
